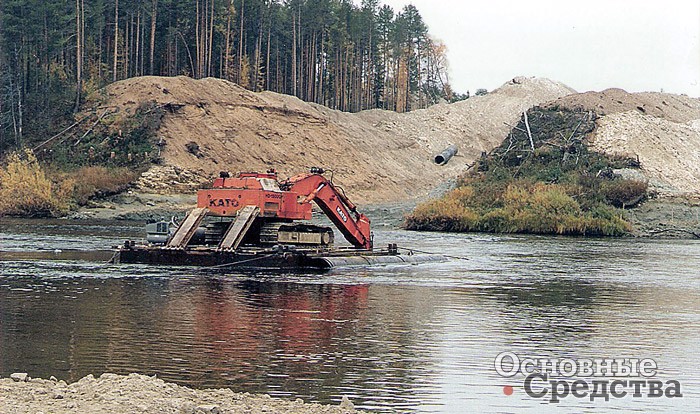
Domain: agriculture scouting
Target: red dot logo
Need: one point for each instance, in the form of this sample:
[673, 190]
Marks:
[508, 390]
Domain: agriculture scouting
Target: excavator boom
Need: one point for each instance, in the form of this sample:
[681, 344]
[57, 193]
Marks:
[354, 225]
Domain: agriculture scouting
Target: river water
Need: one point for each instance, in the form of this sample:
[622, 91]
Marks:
[412, 338]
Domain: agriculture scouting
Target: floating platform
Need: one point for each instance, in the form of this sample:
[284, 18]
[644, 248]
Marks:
[278, 257]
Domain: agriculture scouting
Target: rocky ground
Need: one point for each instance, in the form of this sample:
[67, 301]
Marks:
[664, 217]
[140, 206]
[137, 205]
[118, 394]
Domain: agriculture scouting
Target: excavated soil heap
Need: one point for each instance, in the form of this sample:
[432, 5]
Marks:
[375, 155]
[662, 130]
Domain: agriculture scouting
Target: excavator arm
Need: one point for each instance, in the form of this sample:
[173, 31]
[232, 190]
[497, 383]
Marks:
[354, 225]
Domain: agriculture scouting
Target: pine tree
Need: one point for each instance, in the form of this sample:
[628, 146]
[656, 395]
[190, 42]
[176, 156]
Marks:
[338, 53]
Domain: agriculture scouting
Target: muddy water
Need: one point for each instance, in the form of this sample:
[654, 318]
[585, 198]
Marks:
[402, 338]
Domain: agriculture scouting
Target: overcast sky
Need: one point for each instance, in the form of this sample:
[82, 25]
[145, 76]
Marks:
[589, 45]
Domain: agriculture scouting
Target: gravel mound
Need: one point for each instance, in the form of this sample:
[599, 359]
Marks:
[117, 394]
[377, 156]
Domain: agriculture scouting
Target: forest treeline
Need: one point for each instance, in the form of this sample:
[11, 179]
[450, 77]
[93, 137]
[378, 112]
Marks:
[336, 53]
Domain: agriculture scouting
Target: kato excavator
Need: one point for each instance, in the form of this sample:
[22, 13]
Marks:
[257, 220]
[275, 206]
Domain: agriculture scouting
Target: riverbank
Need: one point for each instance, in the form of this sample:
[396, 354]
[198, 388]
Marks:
[664, 217]
[119, 394]
[141, 206]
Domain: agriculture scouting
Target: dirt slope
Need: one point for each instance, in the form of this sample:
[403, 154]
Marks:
[376, 155]
[662, 129]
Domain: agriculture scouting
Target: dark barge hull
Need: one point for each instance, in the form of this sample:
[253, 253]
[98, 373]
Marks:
[264, 259]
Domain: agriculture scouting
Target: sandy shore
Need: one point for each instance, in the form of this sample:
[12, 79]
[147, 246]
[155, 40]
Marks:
[118, 394]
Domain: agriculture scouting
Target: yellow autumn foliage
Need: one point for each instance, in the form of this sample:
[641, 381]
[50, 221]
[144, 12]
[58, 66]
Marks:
[26, 190]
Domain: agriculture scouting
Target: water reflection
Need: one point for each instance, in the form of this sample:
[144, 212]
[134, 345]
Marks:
[413, 338]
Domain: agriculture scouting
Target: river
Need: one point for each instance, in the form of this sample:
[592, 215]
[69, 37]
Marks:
[412, 338]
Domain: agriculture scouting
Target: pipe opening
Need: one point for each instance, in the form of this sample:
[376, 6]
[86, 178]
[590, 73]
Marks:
[439, 159]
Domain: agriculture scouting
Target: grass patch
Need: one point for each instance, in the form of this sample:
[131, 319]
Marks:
[97, 182]
[523, 207]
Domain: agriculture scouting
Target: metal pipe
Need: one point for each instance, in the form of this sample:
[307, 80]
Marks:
[443, 157]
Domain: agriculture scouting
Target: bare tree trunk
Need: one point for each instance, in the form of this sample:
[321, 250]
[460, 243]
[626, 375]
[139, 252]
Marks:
[154, 15]
[277, 72]
[143, 50]
[137, 57]
[197, 42]
[2, 72]
[312, 68]
[294, 55]
[128, 32]
[240, 43]
[188, 51]
[300, 59]
[322, 69]
[78, 57]
[15, 129]
[258, 60]
[338, 79]
[100, 53]
[421, 95]
[227, 53]
[116, 40]
[202, 44]
[267, 61]
[211, 38]
[16, 109]
[82, 34]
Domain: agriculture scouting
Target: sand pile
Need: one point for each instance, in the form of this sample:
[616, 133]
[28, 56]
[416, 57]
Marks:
[674, 108]
[117, 394]
[669, 151]
[375, 155]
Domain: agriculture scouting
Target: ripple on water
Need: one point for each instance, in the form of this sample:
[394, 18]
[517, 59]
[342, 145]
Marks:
[395, 338]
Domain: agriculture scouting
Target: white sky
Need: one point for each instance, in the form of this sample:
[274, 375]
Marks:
[637, 45]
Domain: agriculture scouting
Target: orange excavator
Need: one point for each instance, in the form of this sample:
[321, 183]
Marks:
[256, 220]
[272, 208]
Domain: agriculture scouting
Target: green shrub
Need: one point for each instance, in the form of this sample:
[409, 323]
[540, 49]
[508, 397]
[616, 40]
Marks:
[523, 207]
[26, 190]
[445, 214]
